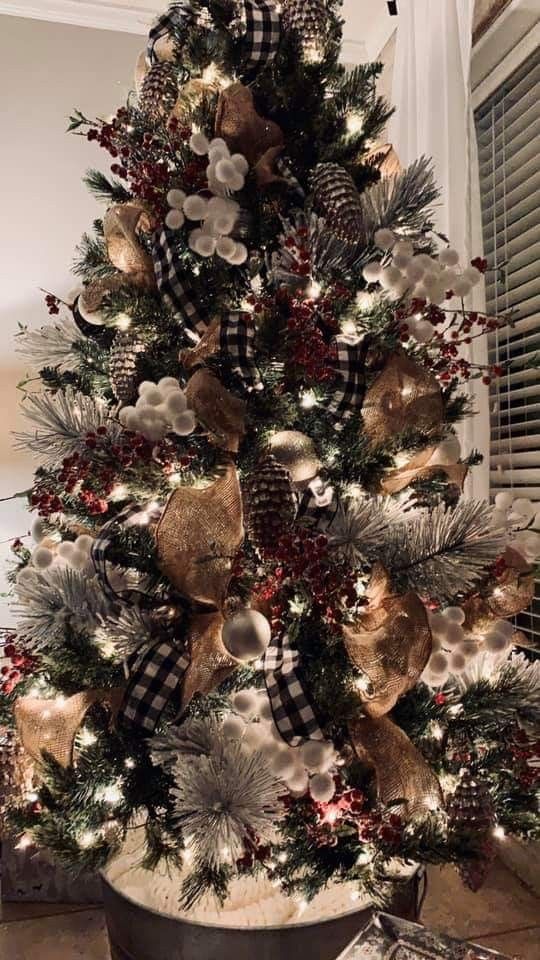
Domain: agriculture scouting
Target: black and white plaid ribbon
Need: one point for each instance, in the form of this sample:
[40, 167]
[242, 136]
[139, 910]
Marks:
[155, 679]
[350, 367]
[173, 287]
[293, 712]
[263, 31]
[237, 336]
[131, 515]
[179, 14]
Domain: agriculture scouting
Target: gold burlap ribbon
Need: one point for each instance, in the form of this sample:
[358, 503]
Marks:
[217, 410]
[387, 160]
[210, 663]
[422, 466]
[390, 645]
[122, 225]
[245, 131]
[207, 347]
[51, 725]
[509, 595]
[404, 396]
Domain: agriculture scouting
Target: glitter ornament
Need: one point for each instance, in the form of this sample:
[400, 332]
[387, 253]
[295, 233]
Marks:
[270, 503]
[123, 364]
[296, 452]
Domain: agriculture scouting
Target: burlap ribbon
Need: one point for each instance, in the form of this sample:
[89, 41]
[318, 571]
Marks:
[245, 131]
[51, 725]
[122, 225]
[511, 593]
[216, 409]
[404, 396]
[385, 158]
[424, 465]
[390, 645]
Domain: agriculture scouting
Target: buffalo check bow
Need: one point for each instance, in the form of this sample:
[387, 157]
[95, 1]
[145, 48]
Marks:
[350, 368]
[293, 712]
[237, 335]
[173, 286]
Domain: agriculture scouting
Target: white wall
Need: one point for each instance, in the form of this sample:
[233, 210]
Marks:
[45, 70]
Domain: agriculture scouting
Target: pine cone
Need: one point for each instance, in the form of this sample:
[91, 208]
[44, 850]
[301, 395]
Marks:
[159, 91]
[336, 197]
[270, 503]
[307, 18]
[471, 807]
[123, 365]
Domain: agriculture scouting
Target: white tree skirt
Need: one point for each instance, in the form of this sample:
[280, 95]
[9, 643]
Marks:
[252, 902]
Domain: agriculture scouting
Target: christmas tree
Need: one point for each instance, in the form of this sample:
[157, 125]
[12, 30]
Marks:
[259, 620]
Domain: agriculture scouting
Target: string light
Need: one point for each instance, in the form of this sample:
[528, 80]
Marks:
[282, 857]
[110, 794]
[122, 321]
[499, 832]
[308, 400]
[24, 842]
[355, 122]
[118, 492]
[87, 738]
[87, 839]
[314, 290]
[129, 763]
[348, 328]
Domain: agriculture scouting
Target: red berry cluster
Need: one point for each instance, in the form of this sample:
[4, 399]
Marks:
[46, 503]
[526, 755]
[303, 557]
[299, 253]
[53, 303]
[348, 805]
[21, 665]
[307, 345]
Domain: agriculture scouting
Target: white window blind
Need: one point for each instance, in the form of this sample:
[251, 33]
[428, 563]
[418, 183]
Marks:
[508, 132]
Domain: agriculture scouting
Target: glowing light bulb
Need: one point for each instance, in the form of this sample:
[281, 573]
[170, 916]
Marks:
[174, 479]
[87, 839]
[348, 328]
[282, 857]
[118, 492]
[87, 738]
[314, 290]
[355, 122]
[122, 321]
[499, 832]
[111, 794]
[437, 731]
[308, 400]
[129, 763]
[24, 842]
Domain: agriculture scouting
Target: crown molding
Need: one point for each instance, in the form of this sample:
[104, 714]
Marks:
[132, 17]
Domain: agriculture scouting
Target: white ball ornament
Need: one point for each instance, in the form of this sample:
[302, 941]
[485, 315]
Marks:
[195, 207]
[218, 143]
[454, 634]
[415, 271]
[145, 386]
[38, 530]
[199, 144]
[256, 734]
[282, 763]
[26, 575]
[315, 754]
[438, 625]
[371, 271]
[425, 261]
[240, 162]
[455, 615]
[298, 781]
[399, 289]
[233, 727]
[438, 663]
[225, 247]
[523, 507]
[42, 558]
[174, 219]
[469, 649]
[458, 662]
[322, 787]
[239, 254]
[79, 560]
[226, 171]
[245, 702]
[246, 634]
[384, 239]
[449, 257]
[473, 275]
[237, 182]
[496, 642]
[84, 542]
[422, 331]
[176, 198]
[175, 402]
[462, 287]
[421, 292]
[505, 627]
[166, 384]
[400, 260]
[184, 423]
[66, 550]
[265, 709]
[389, 276]
[205, 246]
[223, 223]
[403, 248]
[152, 398]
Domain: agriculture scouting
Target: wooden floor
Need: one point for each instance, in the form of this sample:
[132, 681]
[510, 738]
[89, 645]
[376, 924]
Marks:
[504, 916]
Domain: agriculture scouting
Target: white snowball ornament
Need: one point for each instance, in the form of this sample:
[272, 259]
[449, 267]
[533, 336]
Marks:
[384, 239]
[462, 287]
[233, 727]
[449, 257]
[458, 662]
[204, 245]
[422, 331]
[256, 734]
[469, 649]
[503, 501]
[496, 642]
[84, 543]
[298, 781]
[389, 276]
[166, 384]
[225, 247]
[174, 219]
[322, 787]
[316, 754]
[199, 144]
[246, 634]
[473, 275]
[414, 271]
[175, 402]
[226, 171]
[455, 615]
[438, 663]
[66, 550]
[195, 207]
[265, 709]
[42, 558]
[523, 507]
[454, 634]
[282, 763]
[425, 261]
[245, 703]
[176, 198]
[371, 271]
[240, 162]
[184, 423]
[38, 530]
[151, 397]
[239, 254]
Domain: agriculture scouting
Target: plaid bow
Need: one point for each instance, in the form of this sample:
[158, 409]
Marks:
[101, 544]
[262, 32]
[293, 713]
[179, 14]
[155, 679]
[171, 285]
[349, 395]
[237, 335]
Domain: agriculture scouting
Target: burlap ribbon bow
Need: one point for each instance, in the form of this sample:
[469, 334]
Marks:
[405, 395]
[390, 646]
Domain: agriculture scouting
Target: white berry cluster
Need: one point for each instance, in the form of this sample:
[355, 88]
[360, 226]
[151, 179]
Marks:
[71, 553]
[454, 649]
[217, 214]
[161, 408]
[522, 520]
[308, 766]
[418, 275]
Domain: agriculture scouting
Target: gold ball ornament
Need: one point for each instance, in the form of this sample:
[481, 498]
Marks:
[296, 452]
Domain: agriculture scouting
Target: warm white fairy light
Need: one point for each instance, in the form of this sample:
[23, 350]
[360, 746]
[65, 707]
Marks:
[314, 290]
[87, 839]
[308, 400]
[174, 479]
[119, 492]
[129, 763]
[87, 738]
[122, 321]
[24, 842]
[348, 327]
[355, 122]
[437, 731]
[499, 832]
[363, 858]
[282, 857]
[110, 794]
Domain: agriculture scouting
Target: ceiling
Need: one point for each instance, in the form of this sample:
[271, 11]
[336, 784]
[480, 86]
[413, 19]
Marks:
[367, 22]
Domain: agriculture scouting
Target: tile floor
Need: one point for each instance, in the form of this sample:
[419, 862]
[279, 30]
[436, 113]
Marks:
[504, 916]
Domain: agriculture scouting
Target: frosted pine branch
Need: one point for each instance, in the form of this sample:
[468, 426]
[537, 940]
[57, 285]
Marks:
[126, 631]
[62, 421]
[360, 524]
[443, 552]
[61, 598]
[53, 345]
[401, 201]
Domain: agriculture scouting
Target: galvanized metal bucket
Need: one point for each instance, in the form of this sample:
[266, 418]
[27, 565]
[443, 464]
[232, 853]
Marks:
[138, 933]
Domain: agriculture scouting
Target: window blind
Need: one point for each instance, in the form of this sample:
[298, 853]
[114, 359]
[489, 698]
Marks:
[508, 133]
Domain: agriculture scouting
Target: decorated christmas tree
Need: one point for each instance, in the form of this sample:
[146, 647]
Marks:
[260, 623]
